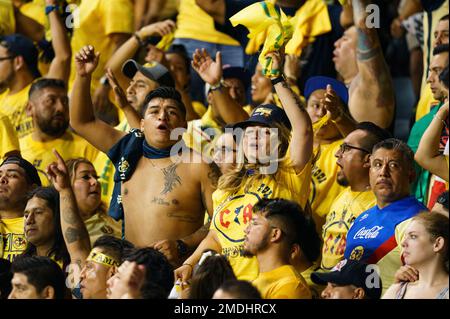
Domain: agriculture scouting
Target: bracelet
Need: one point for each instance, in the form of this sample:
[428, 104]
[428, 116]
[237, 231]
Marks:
[277, 80]
[139, 39]
[51, 8]
[438, 117]
[215, 87]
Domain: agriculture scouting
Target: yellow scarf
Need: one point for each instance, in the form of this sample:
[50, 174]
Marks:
[268, 26]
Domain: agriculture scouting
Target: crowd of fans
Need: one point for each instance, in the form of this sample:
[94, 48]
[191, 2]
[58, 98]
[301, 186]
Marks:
[199, 149]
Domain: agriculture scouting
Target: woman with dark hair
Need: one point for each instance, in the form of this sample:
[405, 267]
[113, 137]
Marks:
[213, 270]
[42, 223]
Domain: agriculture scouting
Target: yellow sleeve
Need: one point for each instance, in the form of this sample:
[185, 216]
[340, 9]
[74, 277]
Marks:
[90, 153]
[8, 137]
[291, 290]
[117, 16]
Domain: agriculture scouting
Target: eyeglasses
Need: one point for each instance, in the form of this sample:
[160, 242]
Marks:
[344, 147]
[7, 58]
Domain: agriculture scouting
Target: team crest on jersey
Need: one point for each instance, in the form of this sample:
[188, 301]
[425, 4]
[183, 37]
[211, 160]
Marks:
[233, 218]
[364, 217]
[107, 230]
[357, 253]
[19, 242]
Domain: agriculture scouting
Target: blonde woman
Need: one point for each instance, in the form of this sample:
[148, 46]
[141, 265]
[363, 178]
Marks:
[269, 130]
[87, 191]
[425, 248]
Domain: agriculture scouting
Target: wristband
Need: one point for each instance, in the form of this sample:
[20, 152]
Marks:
[139, 39]
[49, 9]
[277, 80]
[215, 87]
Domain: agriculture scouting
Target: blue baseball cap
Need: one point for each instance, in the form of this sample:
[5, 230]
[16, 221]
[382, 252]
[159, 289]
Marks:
[267, 115]
[320, 83]
[19, 45]
[153, 70]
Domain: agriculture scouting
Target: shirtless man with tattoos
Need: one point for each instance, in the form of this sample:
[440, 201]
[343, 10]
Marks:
[161, 198]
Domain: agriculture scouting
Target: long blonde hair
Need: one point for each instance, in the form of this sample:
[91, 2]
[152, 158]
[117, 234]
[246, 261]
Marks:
[238, 177]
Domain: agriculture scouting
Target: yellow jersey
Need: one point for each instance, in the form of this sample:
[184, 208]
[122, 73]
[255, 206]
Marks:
[345, 208]
[233, 212]
[14, 106]
[8, 137]
[12, 238]
[96, 21]
[101, 224]
[314, 288]
[7, 19]
[282, 283]
[324, 186]
[194, 23]
[40, 154]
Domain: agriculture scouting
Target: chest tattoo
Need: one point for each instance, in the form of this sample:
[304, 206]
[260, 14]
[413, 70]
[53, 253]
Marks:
[171, 178]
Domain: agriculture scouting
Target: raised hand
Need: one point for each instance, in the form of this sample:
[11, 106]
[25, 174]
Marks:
[277, 64]
[210, 71]
[86, 61]
[333, 103]
[160, 28]
[57, 173]
[121, 97]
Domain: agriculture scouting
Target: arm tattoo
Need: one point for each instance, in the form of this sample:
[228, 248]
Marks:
[69, 214]
[367, 44]
[171, 178]
[72, 235]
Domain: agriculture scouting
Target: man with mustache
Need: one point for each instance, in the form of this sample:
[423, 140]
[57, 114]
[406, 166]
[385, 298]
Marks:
[48, 106]
[376, 233]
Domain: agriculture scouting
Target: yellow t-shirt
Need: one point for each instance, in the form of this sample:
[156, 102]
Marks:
[105, 169]
[233, 212]
[14, 106]
[345, 208]
[102, 224]
[392, 261]
[7, 20]
[194, 23]
[282, 283]
[324, 187]
[12, 238]
[8, 137]
[69, 146]
[97, 20]
[314, 288]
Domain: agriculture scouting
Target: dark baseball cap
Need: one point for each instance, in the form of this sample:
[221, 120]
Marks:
[30, 171]
[320, 83]
[351, 272]
[19, 45]
[237, 72]
[153, 70]
[267, 115]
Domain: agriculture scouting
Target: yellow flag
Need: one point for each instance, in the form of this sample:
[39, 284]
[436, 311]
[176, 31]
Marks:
[166, 41]
[265, 25]
[271, 27]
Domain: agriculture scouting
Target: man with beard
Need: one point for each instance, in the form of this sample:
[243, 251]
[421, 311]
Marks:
[276, 226]
[353, 159]
[49, 109]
